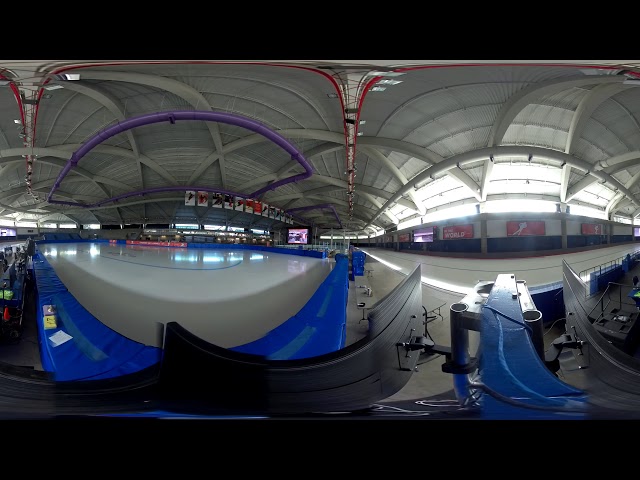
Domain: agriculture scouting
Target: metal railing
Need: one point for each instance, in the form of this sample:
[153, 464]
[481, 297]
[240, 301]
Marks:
[585, 275]
[611, 301]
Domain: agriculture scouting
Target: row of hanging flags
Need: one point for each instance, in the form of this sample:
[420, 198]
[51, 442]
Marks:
[247, 205]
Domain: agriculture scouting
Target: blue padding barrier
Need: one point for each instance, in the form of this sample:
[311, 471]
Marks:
[549, 300]
[575, 241]
[95, 351]
[523, 244]
[318, 328]
[512, 368]
[357, 263]
[287, 251]
[621, 238]
[600, 279]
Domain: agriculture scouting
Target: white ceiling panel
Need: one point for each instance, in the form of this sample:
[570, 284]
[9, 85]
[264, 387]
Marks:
[314, 107]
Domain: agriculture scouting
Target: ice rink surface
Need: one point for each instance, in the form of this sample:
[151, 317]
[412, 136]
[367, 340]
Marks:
[225, 296]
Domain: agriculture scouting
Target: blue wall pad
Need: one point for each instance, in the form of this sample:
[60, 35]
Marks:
[318, 328]
[599, 279]
[549, 300]
[95, 351]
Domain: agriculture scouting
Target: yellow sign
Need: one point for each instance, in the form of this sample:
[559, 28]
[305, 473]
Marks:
[50, 322]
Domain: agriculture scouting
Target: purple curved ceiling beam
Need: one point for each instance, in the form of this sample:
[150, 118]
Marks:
[316, 207]
[208, 116]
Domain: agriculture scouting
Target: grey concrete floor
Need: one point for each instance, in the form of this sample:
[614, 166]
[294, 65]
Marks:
[429, 380]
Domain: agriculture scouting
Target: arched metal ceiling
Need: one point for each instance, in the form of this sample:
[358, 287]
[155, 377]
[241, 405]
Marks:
[372, 132]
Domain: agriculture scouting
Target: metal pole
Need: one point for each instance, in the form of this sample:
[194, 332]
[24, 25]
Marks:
[459, 349]
[533, 318]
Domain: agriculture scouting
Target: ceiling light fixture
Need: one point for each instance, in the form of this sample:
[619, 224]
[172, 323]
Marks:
[378, 89]
[385, 74]
[389, 82]
[633, 82]
[53, 86]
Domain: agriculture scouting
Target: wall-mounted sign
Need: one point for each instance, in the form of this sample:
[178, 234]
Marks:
[592, 229]
[404, 237]
[523, 228]
[457, 231]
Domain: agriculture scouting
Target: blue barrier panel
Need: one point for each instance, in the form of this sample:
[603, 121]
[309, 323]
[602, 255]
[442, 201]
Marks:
[523, 244]
[94, 351]
[549, 300]
[286, 251]
[621, 238]
[318, 328]
[600, 279]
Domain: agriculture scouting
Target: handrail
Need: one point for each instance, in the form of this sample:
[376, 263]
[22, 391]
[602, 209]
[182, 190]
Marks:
[607, 293]
[585, 275]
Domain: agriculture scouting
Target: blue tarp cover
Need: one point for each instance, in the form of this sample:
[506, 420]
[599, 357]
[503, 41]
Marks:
[95, 351]
[318, 328]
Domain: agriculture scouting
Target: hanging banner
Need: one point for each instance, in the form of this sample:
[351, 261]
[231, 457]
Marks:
[253, 206]
[217, 199]
[190, 198]
[522, 228]
[238, 203]
[592, 229]
[228, 201]
[203, 199]
[457, 231]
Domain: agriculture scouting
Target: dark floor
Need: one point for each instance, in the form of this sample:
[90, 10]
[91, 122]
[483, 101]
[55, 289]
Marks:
[25, 351]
